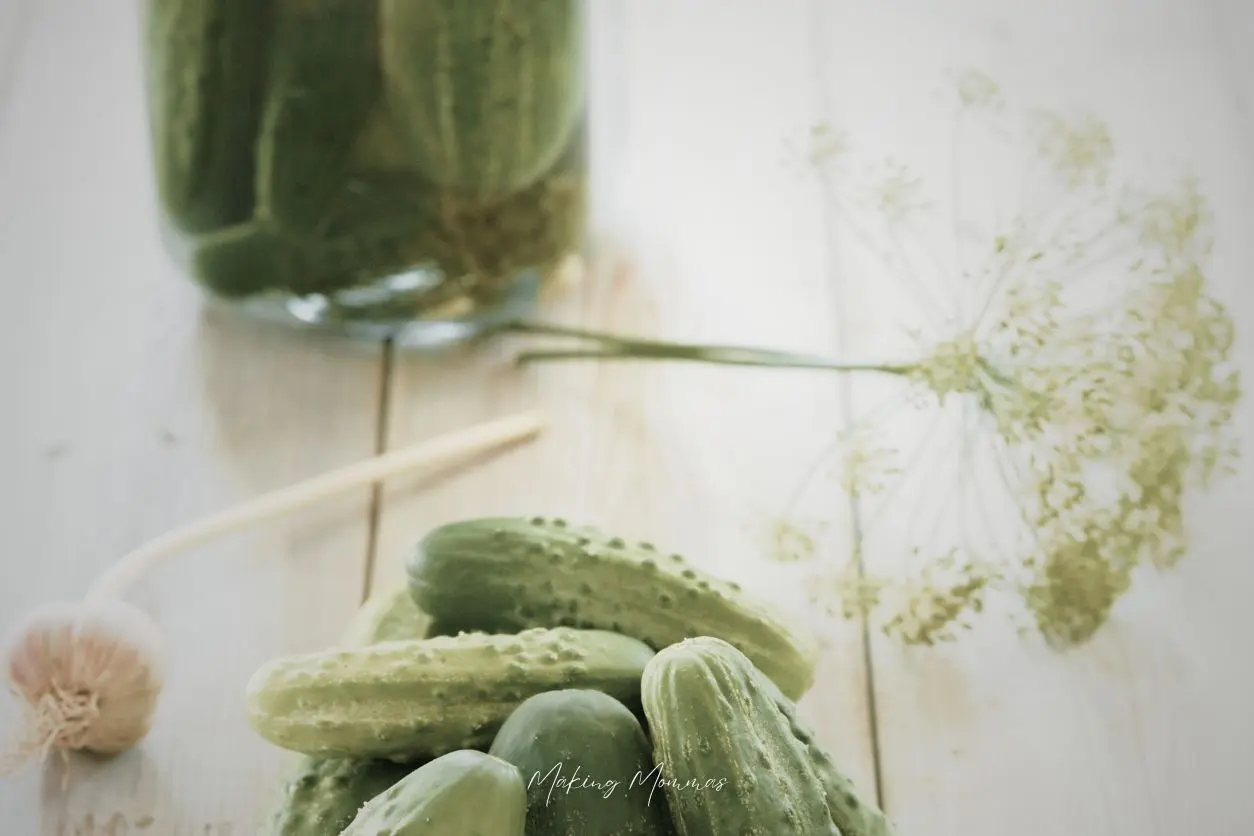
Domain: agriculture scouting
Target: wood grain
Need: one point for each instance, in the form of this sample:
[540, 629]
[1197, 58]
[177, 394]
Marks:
[129, 411]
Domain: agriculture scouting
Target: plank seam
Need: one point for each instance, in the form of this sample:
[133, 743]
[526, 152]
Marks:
[817, 51]
[374, 512]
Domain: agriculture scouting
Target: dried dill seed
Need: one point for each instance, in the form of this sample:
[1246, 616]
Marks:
[789, 543]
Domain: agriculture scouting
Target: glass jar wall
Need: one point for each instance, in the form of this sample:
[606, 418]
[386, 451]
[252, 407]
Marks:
[413, 169]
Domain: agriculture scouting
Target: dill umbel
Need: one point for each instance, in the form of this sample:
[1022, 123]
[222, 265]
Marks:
[1094, 349]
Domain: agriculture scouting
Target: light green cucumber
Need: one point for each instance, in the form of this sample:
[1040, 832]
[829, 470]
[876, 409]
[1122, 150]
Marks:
[737, 758]
[405, 700]
[462, 793]
[325, 83]
[499, 574]
[206, 69]
[386, 616]
[486, 94]
[588, 766]
[321, 796]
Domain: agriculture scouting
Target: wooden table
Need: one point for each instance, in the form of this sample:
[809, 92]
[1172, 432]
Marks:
[129, 409]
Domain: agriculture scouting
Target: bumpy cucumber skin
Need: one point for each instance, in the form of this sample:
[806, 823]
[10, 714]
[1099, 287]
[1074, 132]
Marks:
[713, 716]
[386, 616]
[462, 793]
[592, 739]
[206, 68]
[487, 94]
[405, 700]
[852, 813]
[498, 574]
[322, 795]
[325, 83]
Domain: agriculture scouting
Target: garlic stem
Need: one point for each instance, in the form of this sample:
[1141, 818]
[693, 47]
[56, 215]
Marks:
[441, 450]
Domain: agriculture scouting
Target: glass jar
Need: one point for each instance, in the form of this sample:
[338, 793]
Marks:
[405, 169]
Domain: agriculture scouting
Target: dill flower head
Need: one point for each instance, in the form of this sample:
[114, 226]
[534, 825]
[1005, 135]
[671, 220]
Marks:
[1086, 370]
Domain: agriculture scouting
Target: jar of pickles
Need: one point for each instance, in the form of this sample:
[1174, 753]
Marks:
[404, 169]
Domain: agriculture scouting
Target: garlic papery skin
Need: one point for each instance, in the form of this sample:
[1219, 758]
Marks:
[89, 677]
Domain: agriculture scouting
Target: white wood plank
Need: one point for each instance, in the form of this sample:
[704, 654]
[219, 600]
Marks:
[14, 17]
[1144, 729]
[706, 206]
[127, 413]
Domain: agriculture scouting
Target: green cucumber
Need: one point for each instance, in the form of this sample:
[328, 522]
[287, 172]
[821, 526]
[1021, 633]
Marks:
[500, 574]
[487, 94]
[322, 795]
[387, 223]
[255, 259]
[325, 83]
[405, 700]
[736, 755]
[374, 230]
[588, 766]
[206, 69]
[386, 616]
[462, 793]
[493, 238]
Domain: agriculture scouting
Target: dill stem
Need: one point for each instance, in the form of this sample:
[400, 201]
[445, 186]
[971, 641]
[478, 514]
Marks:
[616, 347]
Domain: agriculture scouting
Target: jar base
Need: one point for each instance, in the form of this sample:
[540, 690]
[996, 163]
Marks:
[372, 314]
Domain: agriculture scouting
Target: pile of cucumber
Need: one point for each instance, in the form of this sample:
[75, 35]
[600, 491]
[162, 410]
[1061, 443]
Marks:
[538, 679]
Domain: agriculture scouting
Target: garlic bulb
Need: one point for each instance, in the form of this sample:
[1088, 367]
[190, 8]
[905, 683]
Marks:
[89, 677]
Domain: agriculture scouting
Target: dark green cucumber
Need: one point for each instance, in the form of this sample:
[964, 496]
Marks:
[373, 231]
[462, 793]
[500, 574]
[256, 259]
[321, 796]
[206, 70]
[588, 766]
[325, 84]
[422, 698]
[737, 757]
